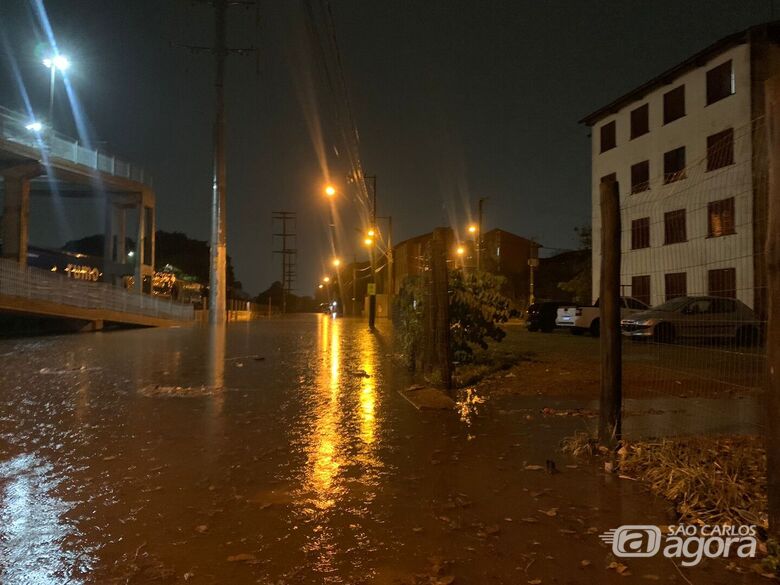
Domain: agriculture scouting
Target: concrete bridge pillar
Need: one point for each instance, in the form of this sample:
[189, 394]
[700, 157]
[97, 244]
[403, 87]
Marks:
[114, 252]
[15, 226]
[144, 262]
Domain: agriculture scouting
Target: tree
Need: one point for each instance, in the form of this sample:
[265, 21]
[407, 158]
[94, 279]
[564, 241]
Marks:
[580, 287]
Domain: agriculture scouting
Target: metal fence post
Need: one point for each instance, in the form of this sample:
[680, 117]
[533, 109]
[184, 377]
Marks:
[610, 421]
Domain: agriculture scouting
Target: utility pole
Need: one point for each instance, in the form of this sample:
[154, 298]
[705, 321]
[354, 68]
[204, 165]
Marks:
[372, 280]
[288, 252]
[218, 238]
[479, 232]
[218, 259]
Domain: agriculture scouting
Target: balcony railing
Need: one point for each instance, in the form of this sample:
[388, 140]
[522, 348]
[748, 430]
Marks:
[41, 285]
[14, 128]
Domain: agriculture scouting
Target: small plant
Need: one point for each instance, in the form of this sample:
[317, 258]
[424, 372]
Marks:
[410, 314]
[477, 307]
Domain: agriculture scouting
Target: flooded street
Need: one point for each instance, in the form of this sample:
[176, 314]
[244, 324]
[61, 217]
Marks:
[281, 452]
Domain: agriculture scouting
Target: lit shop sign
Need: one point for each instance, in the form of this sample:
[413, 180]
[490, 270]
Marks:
[81, 272]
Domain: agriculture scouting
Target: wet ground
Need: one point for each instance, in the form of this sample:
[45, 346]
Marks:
[281, 452]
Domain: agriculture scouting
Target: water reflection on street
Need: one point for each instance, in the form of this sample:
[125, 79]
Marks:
[280, 452]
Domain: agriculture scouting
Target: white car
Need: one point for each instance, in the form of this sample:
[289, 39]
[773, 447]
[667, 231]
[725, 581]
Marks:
[581, 319]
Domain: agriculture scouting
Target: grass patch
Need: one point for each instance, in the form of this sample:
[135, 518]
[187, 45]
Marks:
[484, 364]
[717, 480]
[710, 480]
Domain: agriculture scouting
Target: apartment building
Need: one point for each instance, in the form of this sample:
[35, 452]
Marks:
[688, 150]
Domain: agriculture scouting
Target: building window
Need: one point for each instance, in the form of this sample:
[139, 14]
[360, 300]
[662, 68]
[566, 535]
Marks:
[674, 104]
[640, 233]
[608, 136]
[720, 149]
[676, 284]
[674, 165]
[722, 282]
[640, 121]
[674, 227]
[640, 288]
[640, 176]
[720, 82]
[721, 218]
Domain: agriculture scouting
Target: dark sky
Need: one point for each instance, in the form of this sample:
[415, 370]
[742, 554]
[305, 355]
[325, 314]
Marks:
[454, 100]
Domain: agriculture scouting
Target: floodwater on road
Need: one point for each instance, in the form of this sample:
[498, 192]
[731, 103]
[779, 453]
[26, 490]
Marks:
[280, 451]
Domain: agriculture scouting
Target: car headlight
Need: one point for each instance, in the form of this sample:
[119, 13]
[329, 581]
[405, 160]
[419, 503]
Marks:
[647, 322]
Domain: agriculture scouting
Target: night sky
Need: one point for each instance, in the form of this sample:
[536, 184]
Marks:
[454, 100]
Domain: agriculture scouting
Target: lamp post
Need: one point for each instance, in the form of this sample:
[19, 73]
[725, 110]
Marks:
[368, 241]
[54, 64]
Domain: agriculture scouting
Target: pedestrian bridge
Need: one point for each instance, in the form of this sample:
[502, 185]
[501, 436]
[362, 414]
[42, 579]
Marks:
[38, 161]
[37, 292]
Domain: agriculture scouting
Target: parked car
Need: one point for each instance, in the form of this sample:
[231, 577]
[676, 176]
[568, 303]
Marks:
[581, 319]
[541, 316]
[701, 317]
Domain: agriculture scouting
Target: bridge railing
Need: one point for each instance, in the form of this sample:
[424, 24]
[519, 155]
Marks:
[38, 284]
[15, 128]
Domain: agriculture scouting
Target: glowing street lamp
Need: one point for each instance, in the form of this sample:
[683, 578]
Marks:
[321, 286]
[371, 233]
[460, 251]
[472, 229]
[368, 242]
[336, 262]
[330, 190]
[326, 279]
[54, 64]
[60, 62]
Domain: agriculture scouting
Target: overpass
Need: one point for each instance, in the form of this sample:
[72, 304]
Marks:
[39, 161]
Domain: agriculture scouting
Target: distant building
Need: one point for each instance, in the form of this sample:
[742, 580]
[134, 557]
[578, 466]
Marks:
[680, 241]
[504, 254]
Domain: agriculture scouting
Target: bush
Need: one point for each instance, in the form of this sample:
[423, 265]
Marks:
[476, 309]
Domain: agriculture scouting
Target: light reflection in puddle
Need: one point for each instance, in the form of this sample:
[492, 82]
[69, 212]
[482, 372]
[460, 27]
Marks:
[33, 528]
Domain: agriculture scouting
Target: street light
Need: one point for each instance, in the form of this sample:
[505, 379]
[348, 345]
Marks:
[55, 63]
[472, 229]
[34, 126]
[336, 262]
[330, 190]
[368, 242]
[326, 279]
[371, 233]
[460, 251]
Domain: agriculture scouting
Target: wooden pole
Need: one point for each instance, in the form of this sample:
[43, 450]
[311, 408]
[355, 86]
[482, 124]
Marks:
[772, 252]
[610, 421]
[442, 304]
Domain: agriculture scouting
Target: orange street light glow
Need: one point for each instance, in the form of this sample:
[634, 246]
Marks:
[330, 190]
[336, 262]
[326, 279]
[322, 285]
[371, 233]
[472, 229]
[460, 250]
[368, 241]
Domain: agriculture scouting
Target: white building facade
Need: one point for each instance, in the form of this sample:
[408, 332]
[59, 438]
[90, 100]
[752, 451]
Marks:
[688, 151]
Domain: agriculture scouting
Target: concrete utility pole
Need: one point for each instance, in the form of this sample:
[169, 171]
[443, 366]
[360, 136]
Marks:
[479, 232]
[372, 280]
[218, 259]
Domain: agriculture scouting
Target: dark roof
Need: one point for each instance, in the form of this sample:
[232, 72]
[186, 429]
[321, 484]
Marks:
[669, 75]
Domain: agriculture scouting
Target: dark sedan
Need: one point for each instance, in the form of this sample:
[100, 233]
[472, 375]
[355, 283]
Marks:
[541, 316]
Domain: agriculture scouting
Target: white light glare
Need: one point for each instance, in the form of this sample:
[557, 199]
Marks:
[60, 62]
[34, 127]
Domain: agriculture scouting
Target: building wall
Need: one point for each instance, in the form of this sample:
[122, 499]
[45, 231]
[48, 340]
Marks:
[699, 254]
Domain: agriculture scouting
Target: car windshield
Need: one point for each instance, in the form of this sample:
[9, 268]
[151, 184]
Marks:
[673, 305]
